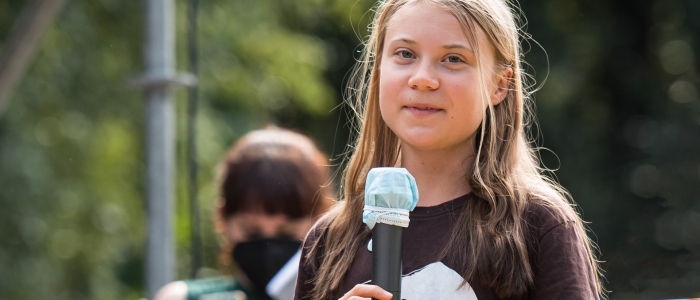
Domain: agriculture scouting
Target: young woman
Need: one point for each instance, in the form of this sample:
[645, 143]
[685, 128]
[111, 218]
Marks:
[441, 92]
[273, 184]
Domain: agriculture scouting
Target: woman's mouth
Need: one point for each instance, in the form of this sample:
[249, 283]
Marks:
[422, 110]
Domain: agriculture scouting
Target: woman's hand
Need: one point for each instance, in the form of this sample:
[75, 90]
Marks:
[366, 292]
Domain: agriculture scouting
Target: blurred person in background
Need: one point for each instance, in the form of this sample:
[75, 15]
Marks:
[273, 184]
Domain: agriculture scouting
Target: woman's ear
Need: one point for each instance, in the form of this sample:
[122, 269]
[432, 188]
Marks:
[503, 79]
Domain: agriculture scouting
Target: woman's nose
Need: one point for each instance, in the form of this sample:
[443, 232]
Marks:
[424, 77]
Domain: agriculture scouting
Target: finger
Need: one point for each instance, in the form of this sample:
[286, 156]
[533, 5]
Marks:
[368, 291]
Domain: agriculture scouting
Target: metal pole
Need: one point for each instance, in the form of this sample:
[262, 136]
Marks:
[160, 77]
[160, 65]
[196, 241]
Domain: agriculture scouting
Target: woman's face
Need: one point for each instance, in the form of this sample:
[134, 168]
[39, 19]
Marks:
[429, 87]
[248, 226]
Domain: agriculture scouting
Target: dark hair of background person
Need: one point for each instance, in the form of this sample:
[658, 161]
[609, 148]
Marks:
[275, 171]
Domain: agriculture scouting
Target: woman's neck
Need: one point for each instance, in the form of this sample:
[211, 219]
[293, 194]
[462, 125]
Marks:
[441, 175]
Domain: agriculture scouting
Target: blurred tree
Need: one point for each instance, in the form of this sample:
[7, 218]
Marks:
[71, 142]
[620, 109]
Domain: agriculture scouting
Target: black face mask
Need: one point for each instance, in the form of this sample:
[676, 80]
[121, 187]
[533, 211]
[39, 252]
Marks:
[261, 259]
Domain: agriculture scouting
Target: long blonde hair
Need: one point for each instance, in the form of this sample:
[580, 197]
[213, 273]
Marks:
[505, 177]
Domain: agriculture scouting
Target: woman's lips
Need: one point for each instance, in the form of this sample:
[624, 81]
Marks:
[422, 110]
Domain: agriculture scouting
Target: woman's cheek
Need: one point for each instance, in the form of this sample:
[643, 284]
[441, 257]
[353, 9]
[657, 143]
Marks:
[385, 110]
[388, 100]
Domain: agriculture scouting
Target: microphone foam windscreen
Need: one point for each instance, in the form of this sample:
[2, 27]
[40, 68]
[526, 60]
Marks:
[389, 192]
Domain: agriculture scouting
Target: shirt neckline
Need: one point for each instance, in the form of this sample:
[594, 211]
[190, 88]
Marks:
[441, 209]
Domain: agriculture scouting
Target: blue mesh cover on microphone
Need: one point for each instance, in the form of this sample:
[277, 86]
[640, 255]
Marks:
[389, 192]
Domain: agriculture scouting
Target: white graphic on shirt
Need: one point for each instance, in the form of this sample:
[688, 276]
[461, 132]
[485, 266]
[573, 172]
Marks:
[435, 281]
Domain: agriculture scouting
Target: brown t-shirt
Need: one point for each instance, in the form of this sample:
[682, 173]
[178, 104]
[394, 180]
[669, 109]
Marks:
[560, 261]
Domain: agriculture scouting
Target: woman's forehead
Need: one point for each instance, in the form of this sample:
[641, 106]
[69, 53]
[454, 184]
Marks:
[438, 24]
[433, 19]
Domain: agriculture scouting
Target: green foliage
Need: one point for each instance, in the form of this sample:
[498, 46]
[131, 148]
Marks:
[620, 109]
[72, 142]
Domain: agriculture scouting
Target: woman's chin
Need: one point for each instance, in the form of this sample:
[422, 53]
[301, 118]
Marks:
[431, 141]
[420, 143]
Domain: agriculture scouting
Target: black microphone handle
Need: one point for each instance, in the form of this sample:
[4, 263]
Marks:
[387, 244]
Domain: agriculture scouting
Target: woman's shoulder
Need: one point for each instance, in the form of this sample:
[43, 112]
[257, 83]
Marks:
[545, 211]
[314, 244]
[311, 254]
[560, 252]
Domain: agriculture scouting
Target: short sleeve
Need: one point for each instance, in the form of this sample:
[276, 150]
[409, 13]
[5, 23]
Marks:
[563, 269]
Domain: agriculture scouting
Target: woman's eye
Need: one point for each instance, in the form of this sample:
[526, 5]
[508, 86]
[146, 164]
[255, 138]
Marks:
[454, 59]
[405, 54]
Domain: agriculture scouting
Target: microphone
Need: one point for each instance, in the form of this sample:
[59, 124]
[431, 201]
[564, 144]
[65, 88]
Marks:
[390, 194]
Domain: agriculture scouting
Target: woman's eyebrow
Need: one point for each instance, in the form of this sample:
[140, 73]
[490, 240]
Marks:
[405, 40]
[449, 46]
[458, 46]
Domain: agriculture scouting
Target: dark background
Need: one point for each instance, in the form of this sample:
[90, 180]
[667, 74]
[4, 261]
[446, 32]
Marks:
[619, 120]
